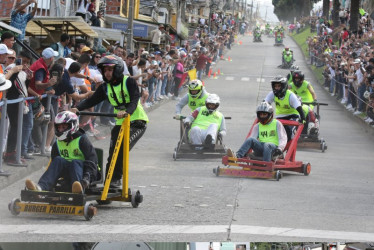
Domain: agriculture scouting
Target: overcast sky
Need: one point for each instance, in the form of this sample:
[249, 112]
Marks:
[263, 5]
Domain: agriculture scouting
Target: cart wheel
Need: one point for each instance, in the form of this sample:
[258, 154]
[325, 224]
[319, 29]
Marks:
[278, 175]
[105, 202]
[13, 208]
[89, 211]
[216, 171]
[175, 154]
[323, 146]
[136, 199]
[306, 168]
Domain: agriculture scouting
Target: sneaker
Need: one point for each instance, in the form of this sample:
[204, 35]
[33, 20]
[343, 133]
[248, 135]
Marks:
[48, 149]
[230, 153]
[116, 184]
[27, 156]
[160, 97]
[166, 97]
[170, 95]
[30, 185]
[369, 120]
[351, 109]
[357, 112]
[77, 188]
[111, 123]
[332, 94]
[208, 140]
[349, 106]
[343, 101]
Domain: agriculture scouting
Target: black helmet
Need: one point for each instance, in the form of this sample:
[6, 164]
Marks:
[265, 107]
[284, 86]
[297, 74]
[113, 61]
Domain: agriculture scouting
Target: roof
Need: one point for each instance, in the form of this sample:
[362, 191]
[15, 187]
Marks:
[8, 27]
[43, 25]
[109, 34]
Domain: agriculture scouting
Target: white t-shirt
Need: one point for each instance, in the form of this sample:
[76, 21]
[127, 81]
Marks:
[69, 61]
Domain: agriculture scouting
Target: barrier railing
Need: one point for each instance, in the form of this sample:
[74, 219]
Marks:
[3, 125]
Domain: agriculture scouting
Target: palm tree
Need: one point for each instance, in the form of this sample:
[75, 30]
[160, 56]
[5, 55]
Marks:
[353, 22]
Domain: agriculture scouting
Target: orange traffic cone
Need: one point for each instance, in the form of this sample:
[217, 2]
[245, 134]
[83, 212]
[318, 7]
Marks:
[222, 57]
[210, 73]
[219, 72]
[240, 42]
[229, 59]
[215, 75]
[203, 83]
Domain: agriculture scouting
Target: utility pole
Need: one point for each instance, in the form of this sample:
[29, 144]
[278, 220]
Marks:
[130, 26]
[266, 13]
[250, 19]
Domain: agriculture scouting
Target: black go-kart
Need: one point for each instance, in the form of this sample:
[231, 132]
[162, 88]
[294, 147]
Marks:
[60, 202]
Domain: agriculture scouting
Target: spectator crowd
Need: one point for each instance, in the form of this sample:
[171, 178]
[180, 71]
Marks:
[66, 73]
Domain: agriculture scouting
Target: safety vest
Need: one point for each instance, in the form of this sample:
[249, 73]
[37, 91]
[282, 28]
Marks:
[87, 82]
[1, 72]
[290, 79]
[70, 150]
[303, 92]
[268, 133]
[283, 107]
[122, 94]
[194, 103]
[288, 58]
[204, 119]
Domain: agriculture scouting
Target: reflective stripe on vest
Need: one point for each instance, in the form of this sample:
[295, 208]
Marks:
[87, 82]
[268, 133]
[204, 119]
[70, 151]
[139, 113]
[194, 103]
[303, 92]
[283, 107]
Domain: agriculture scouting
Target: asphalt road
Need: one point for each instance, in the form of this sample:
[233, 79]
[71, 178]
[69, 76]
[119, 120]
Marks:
[185, 201]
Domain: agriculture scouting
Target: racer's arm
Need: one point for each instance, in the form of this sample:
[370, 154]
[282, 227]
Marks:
[192, 116]
[90, 158]
[98, 96]
[254, 133]
[282, 136]
[269, 97]
[54, 152]
[183, 102]
[296, 104]
[311, 90]
[222, 129]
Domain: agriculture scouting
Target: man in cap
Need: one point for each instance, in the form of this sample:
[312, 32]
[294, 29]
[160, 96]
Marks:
[156, 36]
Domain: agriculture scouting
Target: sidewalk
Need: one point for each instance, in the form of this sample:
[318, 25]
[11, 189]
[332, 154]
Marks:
[18, 173]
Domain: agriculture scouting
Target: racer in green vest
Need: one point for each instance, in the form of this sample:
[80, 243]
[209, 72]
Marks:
[73, 158]
[206, 123]
[195, 97]
[123, 93]
[268, 137]
[284, 53]
[305, 91]
[287, 105]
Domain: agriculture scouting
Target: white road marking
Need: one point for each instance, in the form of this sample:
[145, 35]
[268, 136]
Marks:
[64, 229]
[260, 79]
[229, 78]
[245, 79]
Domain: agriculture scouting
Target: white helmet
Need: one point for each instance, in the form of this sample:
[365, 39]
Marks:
[212, 99]
[66, 117]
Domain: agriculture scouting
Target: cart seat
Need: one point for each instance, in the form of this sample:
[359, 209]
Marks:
[100, 167]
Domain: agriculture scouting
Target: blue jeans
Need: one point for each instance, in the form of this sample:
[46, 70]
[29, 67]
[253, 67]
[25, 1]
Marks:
[163, 86]
[70, 171]
[28, 123]
[361, 90]
[332, 85]
[199, 73]
[151, 83]
[259, 148]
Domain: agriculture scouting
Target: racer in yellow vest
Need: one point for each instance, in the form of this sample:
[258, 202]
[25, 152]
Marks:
[123, 93]
[73, 158]
[195, 97]
[305, 91]
[287, 105]
[268, 137]
[206, 123]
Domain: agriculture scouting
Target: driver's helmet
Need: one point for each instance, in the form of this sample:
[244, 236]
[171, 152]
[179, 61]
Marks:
[265, 107]
[112, 61]
[286, 48]
[280, 93]
[212, 102]
[69, 118]
[297, 78]
[195, 88]
[288, 53]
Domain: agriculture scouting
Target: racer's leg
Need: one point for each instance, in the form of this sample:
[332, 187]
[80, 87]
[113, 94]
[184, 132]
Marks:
[268, 151]
[212, 131]
[197, 135]
[55, 170]
[75, 171]
[247, 145]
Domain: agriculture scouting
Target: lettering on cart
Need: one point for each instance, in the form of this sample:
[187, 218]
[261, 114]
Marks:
[35, 208]
[62, 210]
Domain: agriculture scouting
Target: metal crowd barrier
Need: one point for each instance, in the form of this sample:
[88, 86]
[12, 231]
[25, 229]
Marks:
[3, 104]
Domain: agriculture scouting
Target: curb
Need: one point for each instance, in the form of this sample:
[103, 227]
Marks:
[366, 127]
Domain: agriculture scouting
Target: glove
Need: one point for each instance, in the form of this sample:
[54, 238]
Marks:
[187, 124]
[177, 117]
[219, 136]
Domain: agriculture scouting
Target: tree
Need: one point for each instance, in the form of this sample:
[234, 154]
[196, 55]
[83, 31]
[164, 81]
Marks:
[335, 13]
[289, 9]
[353, 22]
[325, 9]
